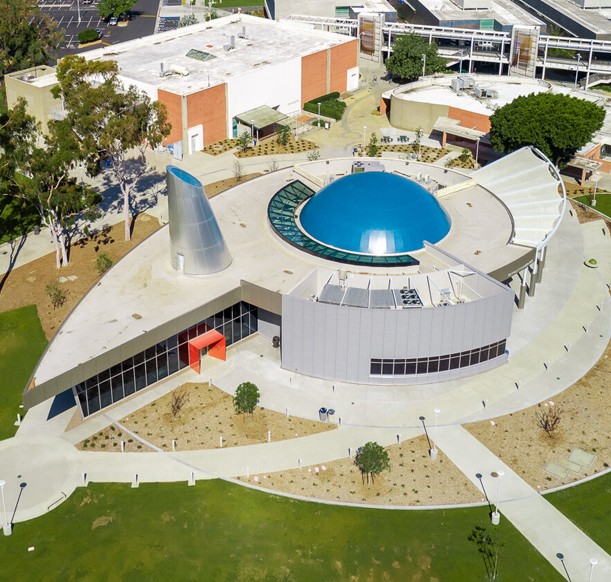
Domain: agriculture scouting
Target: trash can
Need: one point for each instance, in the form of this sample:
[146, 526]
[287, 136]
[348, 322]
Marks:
[322, 414]
[330, 414]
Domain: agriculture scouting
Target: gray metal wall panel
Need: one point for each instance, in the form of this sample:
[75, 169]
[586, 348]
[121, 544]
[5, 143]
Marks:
[323, 331]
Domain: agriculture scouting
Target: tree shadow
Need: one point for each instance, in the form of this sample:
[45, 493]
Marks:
[15, 248]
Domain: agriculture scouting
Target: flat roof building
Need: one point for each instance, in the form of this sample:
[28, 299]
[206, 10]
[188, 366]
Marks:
[211, 73]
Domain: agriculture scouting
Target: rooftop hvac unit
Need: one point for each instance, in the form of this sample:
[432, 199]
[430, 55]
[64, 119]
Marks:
[465, 81]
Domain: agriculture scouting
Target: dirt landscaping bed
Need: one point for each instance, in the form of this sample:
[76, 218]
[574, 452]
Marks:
[26, 285]
[413, 479]
[207, 415]
[271, 147]
[585, 421]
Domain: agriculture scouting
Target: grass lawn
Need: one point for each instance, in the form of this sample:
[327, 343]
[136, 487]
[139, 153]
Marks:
[603, 202]
[587, 506]
[219, 531]
[22, 343]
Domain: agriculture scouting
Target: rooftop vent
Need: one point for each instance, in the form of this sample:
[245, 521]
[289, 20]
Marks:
[243, 33]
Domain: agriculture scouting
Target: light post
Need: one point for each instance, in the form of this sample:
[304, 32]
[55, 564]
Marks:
[593, 562]
[433, 450]
[7, 525]
[318, 114]
[423, 64]
[595, 178]
[496, 516]
[78, 10]
[577, 71]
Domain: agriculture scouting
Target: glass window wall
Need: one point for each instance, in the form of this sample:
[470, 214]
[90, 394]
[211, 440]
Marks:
[161, 360]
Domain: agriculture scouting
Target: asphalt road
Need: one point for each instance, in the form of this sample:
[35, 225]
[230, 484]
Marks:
[74, 16]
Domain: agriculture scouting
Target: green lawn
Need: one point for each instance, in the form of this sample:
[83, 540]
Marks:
[603, 202]
[587, 506]
[22, 343]
[218, 531]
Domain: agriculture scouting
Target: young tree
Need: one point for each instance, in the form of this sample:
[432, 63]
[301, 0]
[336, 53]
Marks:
[246, 397]
[28, 37]
[372, 459]
[283, 134]
[488, 545]
[109, 122]
[372, 148]
[556, 124]
[108, 8]
[245, 141]
[418, 140]
[36, 168]
[406, 60]
[549, 419]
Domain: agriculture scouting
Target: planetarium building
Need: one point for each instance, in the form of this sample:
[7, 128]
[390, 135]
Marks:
[368, 272]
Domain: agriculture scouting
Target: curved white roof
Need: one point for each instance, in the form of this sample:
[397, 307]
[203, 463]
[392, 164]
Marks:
[535, 198]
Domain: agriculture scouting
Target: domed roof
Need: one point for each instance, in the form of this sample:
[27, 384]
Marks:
[374, 213]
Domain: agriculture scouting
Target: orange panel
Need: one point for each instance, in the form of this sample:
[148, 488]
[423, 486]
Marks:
[173, 105]
[343, 57]
[469, 119]
[313, 76]
[213, 340]
[209, 107]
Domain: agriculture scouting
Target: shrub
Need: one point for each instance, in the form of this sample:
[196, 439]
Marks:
[103, 263]
[57, 294]
[88, 35]
[330, 108]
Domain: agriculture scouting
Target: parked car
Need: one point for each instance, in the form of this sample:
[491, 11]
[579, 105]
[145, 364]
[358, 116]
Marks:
[113, 21]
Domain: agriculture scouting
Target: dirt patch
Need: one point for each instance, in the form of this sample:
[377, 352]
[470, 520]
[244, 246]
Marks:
[413, 479]
[271, 147]
[428, 154]
[585, 214]
[585, 421]
[215, 188]
[207, 415]
[26, 285]
[102, 521]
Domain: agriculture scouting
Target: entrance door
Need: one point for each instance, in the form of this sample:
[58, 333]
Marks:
[211, 343]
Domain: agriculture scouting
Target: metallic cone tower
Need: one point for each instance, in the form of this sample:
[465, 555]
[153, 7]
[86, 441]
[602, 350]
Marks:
[197, 246]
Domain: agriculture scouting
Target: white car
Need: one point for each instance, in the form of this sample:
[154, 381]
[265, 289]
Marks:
[113, 21]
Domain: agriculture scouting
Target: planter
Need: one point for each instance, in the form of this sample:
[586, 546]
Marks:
[592, 263]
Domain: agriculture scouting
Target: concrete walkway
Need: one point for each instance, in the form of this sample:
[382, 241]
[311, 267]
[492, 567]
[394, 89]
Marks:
[540, 522]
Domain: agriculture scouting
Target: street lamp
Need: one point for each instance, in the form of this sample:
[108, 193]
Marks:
[496, 516]
[593, 562]
[423, 64]
[318, 114]
[433, 450]
[7, 525]
[595, 178]
[577, 71]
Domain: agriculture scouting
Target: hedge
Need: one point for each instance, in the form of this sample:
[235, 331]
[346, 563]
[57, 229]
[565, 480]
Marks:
[330, 108]
[327, 97]
[88, 35]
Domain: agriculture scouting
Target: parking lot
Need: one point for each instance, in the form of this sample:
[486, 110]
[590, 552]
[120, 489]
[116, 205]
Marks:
[74, 16]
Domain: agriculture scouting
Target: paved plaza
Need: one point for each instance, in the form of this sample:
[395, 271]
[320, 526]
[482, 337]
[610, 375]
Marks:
[555, 340]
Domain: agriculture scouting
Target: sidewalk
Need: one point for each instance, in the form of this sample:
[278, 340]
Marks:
[541, 523]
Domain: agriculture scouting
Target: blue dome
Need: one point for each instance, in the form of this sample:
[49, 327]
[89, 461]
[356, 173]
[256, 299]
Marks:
[374, 213]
